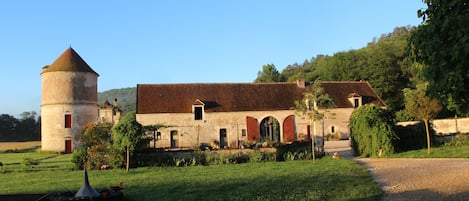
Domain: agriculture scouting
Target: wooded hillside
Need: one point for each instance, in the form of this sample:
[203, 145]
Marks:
[126, 98]
[384, 63]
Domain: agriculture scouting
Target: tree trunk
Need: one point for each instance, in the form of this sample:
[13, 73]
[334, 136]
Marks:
[154, 140]
[428, 136]
[313, 139]
[127, 163]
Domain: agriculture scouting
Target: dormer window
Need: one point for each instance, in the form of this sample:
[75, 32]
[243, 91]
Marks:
[356, 102]
[198, 109]
[355, 99]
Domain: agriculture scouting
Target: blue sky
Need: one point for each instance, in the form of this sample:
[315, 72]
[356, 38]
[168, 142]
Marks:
[174, 41]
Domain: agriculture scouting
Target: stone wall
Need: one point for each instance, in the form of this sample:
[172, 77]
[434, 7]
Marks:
[191, 133]
[53, 128]
[66, 93]
[445, 126]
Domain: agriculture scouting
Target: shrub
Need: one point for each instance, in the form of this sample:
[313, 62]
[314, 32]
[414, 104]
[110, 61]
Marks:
[372, 131]
[95, 140]
[411, 137]
[158, 159]
[459, 140]
[255, 156]
[27, 163]
[79, 157]
[117, 158]
[97, 156]
[292, 151]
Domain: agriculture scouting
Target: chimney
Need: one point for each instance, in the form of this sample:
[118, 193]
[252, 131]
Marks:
[300, 83]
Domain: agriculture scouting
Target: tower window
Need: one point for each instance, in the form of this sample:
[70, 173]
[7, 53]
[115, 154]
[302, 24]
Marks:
[198, 113]
[68, 121]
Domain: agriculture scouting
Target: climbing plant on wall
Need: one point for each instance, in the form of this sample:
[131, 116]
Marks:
[373, 132]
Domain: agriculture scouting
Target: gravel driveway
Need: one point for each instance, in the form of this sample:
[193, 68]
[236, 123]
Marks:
[414, 179]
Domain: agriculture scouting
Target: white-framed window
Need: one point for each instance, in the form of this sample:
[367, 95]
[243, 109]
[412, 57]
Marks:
[198, 109]
[198, 112]
[356, 102]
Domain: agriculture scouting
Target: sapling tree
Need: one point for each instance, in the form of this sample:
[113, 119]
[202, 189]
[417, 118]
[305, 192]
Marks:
[313, 99]
[419, 105]
[126, 135]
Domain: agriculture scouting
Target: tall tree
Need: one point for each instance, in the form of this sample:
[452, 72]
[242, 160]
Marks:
[8, 125]
[28, 127]
[441, 43]
[268, 74]
[419, 105]
[126, 135]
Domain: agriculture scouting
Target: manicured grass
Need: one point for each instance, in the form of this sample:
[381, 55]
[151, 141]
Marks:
[47, 161]
[327, 179]
[452, 151]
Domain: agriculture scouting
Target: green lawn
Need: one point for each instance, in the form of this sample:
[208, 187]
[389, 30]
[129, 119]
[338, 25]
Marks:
[47, 161]
[327, 179]
[453, 151]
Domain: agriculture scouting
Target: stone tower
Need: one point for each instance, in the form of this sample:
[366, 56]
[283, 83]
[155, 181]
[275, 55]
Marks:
[69, 101]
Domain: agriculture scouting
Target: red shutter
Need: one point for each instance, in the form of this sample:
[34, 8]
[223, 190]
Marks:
[289, 129]
[252, 128]
[68, 121]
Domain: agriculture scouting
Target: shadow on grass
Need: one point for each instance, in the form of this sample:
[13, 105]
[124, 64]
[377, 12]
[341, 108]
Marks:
[425, 194]
[308, 187]
[25, 150]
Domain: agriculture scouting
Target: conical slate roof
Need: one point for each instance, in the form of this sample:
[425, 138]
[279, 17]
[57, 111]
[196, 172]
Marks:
[69, 61]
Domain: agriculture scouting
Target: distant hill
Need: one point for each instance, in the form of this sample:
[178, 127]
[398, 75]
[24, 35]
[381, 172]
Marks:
[126, 98]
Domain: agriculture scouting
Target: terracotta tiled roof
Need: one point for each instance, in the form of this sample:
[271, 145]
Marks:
[219, 97]
[340, 91]
[69, 61]
[179, 98]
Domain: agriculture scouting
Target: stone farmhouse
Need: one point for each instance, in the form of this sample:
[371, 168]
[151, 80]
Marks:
[228, 114]
[225, 114]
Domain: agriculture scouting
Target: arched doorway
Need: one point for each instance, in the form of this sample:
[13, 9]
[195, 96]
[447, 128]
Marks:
[269, 130]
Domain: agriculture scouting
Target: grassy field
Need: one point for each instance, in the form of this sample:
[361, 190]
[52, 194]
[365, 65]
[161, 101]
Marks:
[454, 151]
[18, 146]
[327, 179]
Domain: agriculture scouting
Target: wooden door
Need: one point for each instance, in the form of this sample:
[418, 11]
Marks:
[174, 139]
[223, 139]
[68, 146]
[252, 128]
[289, 129]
